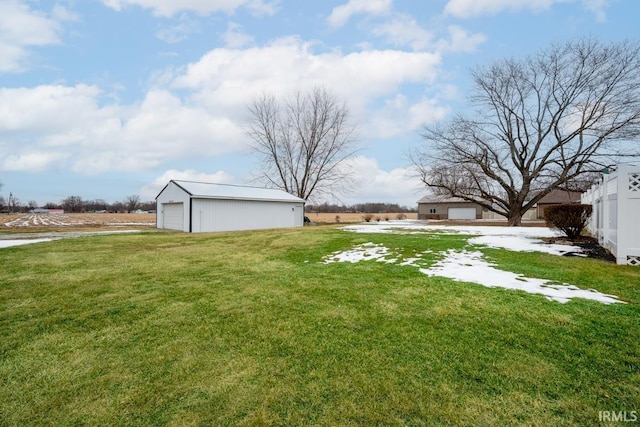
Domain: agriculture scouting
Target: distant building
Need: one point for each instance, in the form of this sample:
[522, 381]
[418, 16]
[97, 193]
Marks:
[438, 207]
[557, 197]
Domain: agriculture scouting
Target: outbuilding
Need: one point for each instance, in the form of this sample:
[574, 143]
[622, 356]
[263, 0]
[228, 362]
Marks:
[453, 208]
[197, 207]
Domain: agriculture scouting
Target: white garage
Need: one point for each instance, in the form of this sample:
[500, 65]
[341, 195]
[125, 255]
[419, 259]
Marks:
[173, 215]
[196, 207]
[461, 213]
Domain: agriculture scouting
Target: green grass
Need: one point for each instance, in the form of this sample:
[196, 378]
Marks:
[251, 328]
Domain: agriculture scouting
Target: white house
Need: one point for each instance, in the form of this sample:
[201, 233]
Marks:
[204, 207]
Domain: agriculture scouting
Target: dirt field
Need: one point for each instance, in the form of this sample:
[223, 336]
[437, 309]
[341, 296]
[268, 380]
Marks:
[37, 222]
[44, 222]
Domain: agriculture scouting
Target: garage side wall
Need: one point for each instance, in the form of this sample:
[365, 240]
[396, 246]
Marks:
[230, 215]
[172, 198]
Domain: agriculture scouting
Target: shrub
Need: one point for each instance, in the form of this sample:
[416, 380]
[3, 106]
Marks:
[570, 219]
[401, 216]
[367, 217]
[337, 218]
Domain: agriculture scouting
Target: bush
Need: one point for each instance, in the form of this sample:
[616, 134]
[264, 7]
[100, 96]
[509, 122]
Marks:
[570, 219]
[367, 217]
[401, 216]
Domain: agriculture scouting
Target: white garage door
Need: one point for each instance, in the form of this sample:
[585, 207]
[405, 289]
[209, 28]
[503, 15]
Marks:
[173, 216]
[462, 213]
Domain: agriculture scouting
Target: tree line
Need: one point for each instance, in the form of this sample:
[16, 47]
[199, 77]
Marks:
[359, 208]
[75, 204]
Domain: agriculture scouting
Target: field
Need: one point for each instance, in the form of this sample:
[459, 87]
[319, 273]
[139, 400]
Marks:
[260, 328]
[44, 222]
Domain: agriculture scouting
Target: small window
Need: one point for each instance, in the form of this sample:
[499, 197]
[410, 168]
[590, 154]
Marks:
[432, 210]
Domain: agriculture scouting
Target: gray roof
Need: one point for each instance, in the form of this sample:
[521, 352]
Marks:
[239, 192]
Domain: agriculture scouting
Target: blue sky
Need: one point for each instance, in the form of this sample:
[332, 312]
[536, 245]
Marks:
[104, 99]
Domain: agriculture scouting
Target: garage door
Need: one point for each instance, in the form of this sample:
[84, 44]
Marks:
[173, 216]
[462, 213]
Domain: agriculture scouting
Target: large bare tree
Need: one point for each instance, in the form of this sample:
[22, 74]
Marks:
[303, 142]
[540, 123]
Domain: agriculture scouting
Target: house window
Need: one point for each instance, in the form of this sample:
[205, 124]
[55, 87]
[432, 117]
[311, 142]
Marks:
[432, 210]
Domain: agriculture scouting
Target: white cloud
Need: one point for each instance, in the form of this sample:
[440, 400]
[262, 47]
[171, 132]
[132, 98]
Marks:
[474, 8]
[62, 14]
[168, 8]
[33, 161]
[231, 78]
[198, 111]
[87, 137]
[48, 108]
[150, 191]
[597, 7]
[373, 184]
[404, 30]
[341, 14]
[234, 37]
[460, 40]
[398, 116]
[22, 29]
[179, 31]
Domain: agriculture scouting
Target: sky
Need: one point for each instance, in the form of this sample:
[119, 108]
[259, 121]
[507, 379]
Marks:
[105, 99]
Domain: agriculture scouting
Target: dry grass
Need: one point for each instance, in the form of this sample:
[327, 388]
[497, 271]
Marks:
[324, 218]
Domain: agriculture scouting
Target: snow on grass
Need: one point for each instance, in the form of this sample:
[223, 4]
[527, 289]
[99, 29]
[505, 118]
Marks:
[9, 241]
[470, 265]
[20, 242]
[364, 252]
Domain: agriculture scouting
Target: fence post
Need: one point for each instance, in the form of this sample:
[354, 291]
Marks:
[627, 210]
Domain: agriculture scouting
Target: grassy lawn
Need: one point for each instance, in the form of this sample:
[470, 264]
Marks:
[251, 328]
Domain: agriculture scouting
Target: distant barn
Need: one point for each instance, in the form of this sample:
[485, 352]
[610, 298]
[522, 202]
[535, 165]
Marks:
[205, 207]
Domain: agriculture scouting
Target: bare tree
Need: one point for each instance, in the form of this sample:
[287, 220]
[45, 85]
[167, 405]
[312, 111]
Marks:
[543, 122]
[73, 204]
[132, 203]
[14, 204]
[303, 142]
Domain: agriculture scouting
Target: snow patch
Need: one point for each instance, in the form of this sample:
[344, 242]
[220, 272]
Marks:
[469, 265]
[20, 242]
[364, 252]
[472, 267]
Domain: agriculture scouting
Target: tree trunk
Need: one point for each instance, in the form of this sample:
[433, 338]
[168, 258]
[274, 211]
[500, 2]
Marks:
[514, 219]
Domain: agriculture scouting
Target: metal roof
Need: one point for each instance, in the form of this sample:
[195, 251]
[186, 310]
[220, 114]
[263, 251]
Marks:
[240, 192]
[442, 199]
